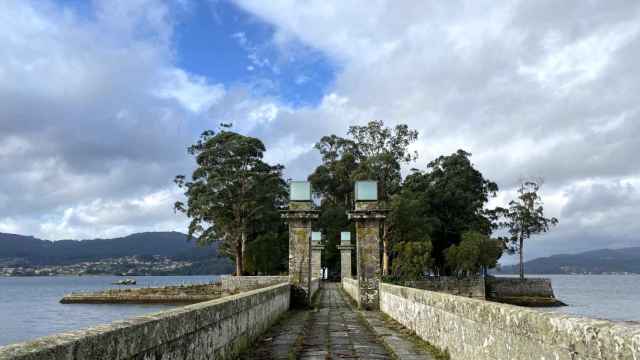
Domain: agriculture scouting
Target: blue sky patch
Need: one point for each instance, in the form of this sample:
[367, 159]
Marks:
[227, 45]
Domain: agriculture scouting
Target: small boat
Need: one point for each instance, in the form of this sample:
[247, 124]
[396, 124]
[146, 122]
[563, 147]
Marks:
[125, 282]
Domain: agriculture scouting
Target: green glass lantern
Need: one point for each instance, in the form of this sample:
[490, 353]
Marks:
[366, 190]
[316, 236]
[300, 191]
[345, 236]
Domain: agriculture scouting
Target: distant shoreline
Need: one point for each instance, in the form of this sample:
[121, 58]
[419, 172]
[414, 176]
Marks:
[576, 274]
[95, 275]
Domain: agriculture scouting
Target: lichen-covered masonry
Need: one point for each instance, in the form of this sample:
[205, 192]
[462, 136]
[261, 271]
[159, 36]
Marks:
[478, 329]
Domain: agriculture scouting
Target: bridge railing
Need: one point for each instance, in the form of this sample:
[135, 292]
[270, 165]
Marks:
[479, 329]
[350, 286]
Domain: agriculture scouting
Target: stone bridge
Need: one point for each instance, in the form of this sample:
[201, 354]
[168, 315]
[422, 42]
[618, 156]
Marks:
[302, 317]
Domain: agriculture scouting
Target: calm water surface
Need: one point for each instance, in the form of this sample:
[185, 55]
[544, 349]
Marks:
[613, 297]
[30, 308]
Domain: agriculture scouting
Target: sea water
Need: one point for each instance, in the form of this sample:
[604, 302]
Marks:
[30, 307]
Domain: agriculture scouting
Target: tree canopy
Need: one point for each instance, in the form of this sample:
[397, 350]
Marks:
[475, 254]
[442, 203]
[525, 218]
[232, 193]
[438, 222]
[370, 152]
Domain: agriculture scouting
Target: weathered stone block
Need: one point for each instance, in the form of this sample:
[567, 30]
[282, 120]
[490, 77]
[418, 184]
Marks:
[316, 258]
[300, 216]
[345, 248]
[368, 255]
[243, 283]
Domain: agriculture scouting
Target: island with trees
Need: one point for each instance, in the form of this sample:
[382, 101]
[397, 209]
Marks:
[439, 221]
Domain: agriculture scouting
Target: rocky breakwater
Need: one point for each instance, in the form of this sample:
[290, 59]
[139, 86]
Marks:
[183, 294]
[531, 292]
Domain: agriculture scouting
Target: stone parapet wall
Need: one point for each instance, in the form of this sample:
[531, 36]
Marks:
[478, 329]
[350, 286]
[316, 259]
[501, 287]
[181, 294]
[243, 283]
[217, 329]
[473, 287]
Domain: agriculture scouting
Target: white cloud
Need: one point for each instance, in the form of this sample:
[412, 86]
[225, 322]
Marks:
[112, 218]
[577, 63]
[94, 114]
[192, 91]
[264, 113]
[530, 88]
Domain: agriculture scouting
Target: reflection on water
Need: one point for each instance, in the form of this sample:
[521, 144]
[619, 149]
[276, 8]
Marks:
[29, 306]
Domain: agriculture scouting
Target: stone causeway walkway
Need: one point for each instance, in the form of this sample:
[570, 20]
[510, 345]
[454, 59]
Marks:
[334, 329]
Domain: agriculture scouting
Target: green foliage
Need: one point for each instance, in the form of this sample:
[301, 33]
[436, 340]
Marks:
[443, 202]
[413, 259]
[331, 222]
[525, 218]
[231, 192]
[380, 151]
[373, 152]
[438, 221]
[268, 254]
[332, 180]
[476, 252]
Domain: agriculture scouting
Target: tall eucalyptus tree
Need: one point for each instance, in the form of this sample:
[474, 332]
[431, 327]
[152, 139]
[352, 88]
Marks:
[230, 191]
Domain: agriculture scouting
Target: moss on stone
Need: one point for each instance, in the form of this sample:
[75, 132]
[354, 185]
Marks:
[530, 301]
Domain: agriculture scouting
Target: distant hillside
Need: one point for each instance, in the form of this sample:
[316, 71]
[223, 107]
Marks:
[595, 262]
[27, 250]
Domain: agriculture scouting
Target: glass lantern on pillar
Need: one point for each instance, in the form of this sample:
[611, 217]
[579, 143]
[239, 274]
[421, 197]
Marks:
[300, 191]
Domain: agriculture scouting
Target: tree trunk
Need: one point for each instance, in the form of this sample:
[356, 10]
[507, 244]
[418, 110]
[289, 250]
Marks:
[521, 261]
[243, 247]
[385, 251]
[239, 261]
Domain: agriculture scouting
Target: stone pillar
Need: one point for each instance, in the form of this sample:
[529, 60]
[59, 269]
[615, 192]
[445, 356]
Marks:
[316, 258]
[368, 217]
[300, 217]
[345, 248]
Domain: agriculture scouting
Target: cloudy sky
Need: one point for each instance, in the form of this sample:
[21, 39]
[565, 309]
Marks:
[98, 100]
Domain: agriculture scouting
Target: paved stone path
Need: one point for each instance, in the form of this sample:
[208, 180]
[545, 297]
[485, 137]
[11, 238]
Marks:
[336, 332]
[333, 330]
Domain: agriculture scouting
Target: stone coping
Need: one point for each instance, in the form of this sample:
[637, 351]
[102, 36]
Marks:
[127, 338]
[181, 294]
[98, 298]
[592, 338]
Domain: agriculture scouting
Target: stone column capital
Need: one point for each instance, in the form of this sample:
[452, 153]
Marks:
[308, 214]
[369, 214]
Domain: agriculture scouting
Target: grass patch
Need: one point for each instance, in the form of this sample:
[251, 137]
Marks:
[530, 301]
